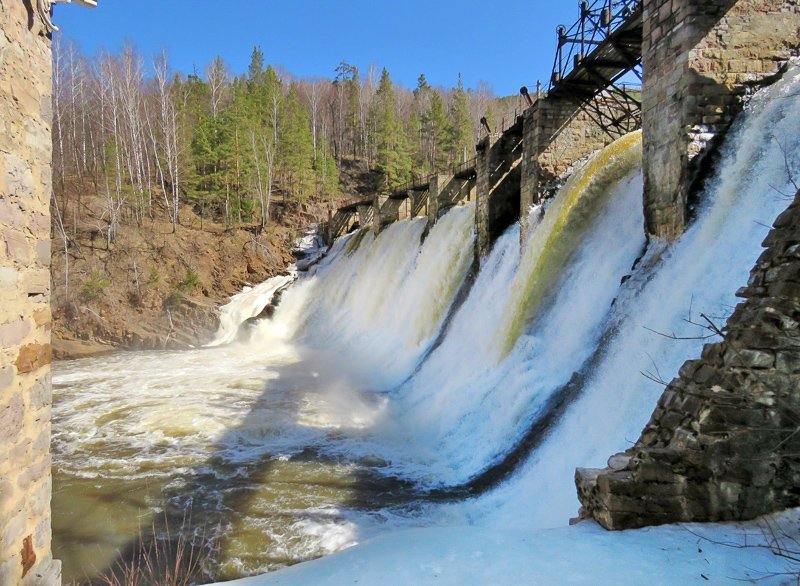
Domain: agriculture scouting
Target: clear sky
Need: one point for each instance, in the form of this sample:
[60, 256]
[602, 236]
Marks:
[507, 44]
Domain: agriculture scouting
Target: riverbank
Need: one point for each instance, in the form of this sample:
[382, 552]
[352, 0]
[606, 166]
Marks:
[151, 288]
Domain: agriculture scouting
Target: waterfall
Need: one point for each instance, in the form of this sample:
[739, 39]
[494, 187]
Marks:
[699, 273]
[562, 230]
[393, 283]
[462, 410]
[247, 305]
[369, 368]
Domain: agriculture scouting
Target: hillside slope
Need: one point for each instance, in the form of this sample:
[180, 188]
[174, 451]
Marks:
[151, 288]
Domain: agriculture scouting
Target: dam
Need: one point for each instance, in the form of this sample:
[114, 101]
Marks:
[473, 327]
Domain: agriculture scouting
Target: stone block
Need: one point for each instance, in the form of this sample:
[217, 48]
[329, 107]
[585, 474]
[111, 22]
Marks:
[17, 177]
[6, 377]
[17, 247]
[38, 500]
[32, 357]
[788, 361]
[34, 472]
[8, 278]
[41, 393]
[12, 416]
[37, 282]
[43, 316]
[749, 358]
[12, 531]
[42, 248]
[13, 333]
[10, 568]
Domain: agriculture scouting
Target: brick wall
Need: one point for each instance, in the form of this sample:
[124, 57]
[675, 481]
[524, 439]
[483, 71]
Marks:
[699, 58]
[25, 186]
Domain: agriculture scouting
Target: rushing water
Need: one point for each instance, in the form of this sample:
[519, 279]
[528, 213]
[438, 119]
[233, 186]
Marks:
[371, 391]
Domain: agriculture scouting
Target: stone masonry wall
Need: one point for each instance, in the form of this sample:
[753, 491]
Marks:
[497, 186]
[699, 58]
[556, 133]
[25, 185]
[722, 443]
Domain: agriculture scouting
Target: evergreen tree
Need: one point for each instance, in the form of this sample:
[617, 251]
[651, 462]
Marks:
[354, 110]
[326, 171]
[439, 134]
[255, 71]
[240, 115]
[422, 86]
[462, 139]
[296, 146]
[222, 142]
[418, 122]
[393, 158]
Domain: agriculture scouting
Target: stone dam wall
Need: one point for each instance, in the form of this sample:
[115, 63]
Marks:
[715, 448]
[699, 59]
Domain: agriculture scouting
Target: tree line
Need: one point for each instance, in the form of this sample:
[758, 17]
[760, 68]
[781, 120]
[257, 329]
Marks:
[147, 139]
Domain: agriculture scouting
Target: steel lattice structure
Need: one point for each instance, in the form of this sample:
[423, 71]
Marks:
[593, 56]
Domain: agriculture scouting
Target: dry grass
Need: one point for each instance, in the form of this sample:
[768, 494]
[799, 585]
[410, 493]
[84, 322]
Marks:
[163, 559]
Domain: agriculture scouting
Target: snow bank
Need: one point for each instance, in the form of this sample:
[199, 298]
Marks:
[581, 554]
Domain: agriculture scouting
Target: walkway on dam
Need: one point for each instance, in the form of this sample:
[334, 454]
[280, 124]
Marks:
[593, 57]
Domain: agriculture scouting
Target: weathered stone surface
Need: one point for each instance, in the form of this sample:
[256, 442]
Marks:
[32, 357]
[497, 185]
[721, 443]
[25, 187]
[12, 415]
[556, 134]
[41, 393]
[13, 333]
[699, 59]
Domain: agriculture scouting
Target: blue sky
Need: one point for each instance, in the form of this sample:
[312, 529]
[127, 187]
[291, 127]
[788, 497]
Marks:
[506, 44]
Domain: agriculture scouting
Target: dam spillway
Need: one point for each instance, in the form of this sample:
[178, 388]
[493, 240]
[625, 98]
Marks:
[371, 388]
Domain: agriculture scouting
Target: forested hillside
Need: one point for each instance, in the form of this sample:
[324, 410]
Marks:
[152, 164]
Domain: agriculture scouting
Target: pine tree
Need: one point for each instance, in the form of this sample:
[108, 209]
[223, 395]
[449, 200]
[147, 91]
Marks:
[242, 172]
[418, 122]
[422, 86]
[462, 139]
[393, 158]
[255, 71]
[296, 146]
[259, 132]
[353, 110]
[438, 131]
[326, 171]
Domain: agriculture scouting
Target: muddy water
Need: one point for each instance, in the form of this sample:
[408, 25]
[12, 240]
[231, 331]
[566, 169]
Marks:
[215, 443]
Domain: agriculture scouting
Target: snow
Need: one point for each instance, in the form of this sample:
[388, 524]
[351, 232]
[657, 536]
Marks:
[580, 554]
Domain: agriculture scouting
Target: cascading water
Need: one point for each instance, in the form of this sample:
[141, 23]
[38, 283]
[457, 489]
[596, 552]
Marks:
[380, 285]
[288, 441]
[698, 274]
[226, 431]
[247, 305]
[463, 410]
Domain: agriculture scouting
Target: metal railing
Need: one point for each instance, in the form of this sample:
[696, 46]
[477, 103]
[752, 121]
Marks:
[464, 167]
[361, 200]
[416, 184]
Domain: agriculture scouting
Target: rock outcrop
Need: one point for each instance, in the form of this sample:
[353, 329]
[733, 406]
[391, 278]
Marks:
[724, 440]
